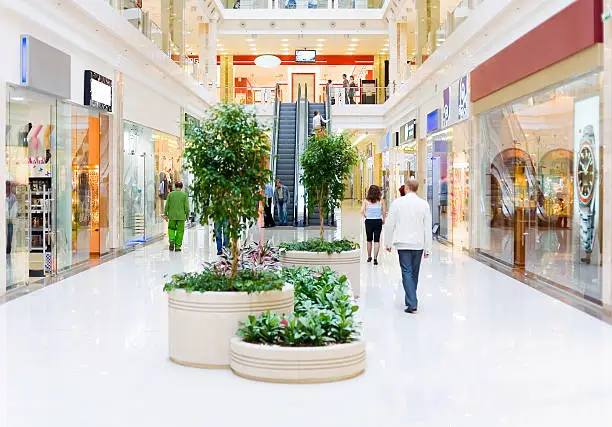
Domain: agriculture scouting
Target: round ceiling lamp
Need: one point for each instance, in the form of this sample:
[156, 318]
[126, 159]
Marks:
[267, 61]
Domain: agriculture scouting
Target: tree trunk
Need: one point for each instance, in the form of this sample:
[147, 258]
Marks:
[235, 254]
[321, 216]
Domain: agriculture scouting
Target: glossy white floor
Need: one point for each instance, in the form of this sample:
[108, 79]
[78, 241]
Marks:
[484, 350]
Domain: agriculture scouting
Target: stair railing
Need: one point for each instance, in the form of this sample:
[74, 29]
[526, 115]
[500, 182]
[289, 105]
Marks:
[328, 108]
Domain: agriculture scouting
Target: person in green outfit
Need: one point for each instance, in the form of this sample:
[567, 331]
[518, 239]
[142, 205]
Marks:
[176, 213]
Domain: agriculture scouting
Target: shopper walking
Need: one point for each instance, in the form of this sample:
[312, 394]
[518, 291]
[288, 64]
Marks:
[176, 212]
[318, 123]
[374, 211]
[268, 218]
[352, 88]
[408, 228]
[345, 85]
[281, 199]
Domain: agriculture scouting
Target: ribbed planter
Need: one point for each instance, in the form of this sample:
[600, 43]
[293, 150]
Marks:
[272, 363]
[346, 263]
[201, 324]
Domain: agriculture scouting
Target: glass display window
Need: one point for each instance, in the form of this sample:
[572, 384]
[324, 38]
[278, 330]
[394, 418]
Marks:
[542, 189]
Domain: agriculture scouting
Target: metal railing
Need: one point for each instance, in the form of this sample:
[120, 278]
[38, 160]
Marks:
[303, 4]
[338, 95]
[252, 95]
[328, 109]
[275, 131]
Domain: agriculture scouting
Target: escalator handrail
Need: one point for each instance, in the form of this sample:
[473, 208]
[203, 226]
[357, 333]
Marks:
[275, 131]
[297, 154]
[328, 115]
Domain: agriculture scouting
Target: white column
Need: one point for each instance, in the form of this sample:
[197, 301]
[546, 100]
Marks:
[3, 177]
[116, 166]
[393, 58]
[403, 51]
[203, 54]
[212, 50]
[606, 140]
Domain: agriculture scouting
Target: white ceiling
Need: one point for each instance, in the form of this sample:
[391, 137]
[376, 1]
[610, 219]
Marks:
[327, 44]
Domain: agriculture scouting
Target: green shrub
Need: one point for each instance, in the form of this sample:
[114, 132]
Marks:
[324, 313]
[318, 245]
[211, 280]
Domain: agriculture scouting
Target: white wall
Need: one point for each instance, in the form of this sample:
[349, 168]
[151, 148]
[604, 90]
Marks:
[145, 107]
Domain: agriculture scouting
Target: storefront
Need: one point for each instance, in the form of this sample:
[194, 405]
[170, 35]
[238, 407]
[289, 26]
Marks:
[57, 185]
[448, 164]
[540, 160]
[152, 164]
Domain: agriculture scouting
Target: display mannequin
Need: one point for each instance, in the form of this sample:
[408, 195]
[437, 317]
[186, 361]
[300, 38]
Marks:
[36, 150]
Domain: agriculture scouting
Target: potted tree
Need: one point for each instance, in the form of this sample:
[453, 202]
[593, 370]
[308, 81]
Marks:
[226, 154]
[327, 163]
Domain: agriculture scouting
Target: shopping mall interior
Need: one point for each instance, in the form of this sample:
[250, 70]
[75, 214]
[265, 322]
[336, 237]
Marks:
[193, 190]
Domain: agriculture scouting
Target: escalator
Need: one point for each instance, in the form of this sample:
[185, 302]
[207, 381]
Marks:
[285, 153]
[313, 215]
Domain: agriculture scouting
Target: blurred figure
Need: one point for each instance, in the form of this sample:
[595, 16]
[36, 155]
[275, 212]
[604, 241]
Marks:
[281, 199]
[12, 210]
[374, 212]
[318, 123]
[352, 88]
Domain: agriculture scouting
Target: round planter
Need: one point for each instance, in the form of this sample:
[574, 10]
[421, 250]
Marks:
[272, 363]
[346, 263]
[201, 324]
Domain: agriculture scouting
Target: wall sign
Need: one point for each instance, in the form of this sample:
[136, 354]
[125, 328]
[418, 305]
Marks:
[98, 91]
[463, 99]
[44, 67]
[408, 132]
[446, 113]
[433, 121]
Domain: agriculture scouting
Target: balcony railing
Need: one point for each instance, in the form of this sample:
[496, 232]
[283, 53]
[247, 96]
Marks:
[359, 95]
[302, 4]
[454, 19]
[264, 95]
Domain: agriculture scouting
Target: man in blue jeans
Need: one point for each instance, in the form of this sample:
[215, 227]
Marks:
[408, 228]
[281, 199]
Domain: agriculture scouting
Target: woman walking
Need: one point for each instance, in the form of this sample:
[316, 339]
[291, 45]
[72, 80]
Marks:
[374, 212]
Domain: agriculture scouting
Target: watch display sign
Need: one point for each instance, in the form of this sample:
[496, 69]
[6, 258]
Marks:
[446, 96]
[433, 121]
[587, 174]
[98, 91]
[463, 99]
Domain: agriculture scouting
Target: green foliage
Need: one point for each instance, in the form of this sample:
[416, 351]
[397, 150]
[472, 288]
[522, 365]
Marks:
[226, 154]
[327, 163]
[324, 313]
[211, 280]
[318, 245]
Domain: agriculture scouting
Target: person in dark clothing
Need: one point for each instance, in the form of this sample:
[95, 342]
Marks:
[352, 88]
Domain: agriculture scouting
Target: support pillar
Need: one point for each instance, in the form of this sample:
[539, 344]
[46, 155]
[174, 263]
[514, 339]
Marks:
[116, 166]
[203, 54]
[379, 76]
[403, 51]
[227, 77]
[427, 23]
[211, 68]
[393, 57]
[605, 177]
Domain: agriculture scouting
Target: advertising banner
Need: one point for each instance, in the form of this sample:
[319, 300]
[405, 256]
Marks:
[586, 175]
[446, 113]
[463, 99]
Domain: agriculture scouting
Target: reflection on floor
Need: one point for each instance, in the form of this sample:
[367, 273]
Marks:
[484, 350]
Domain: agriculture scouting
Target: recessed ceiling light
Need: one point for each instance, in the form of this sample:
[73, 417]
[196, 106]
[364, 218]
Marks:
[253, 49]
[17, 98]
[350, 53]
[351, 49]
[353, 44]
[284, 40]
[354, 40]
[219, 45]
[285, 45]
[320, 40]
[320, 45]
[250, 40]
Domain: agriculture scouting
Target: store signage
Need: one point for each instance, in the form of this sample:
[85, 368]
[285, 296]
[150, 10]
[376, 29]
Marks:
[463, 99]
[44, 67]
[433, 121]
[408, 132]
[446, 95]
[98, 91]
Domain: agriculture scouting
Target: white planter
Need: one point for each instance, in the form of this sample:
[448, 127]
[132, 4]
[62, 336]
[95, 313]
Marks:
[201, 324]
[346, 263]
[272, 363]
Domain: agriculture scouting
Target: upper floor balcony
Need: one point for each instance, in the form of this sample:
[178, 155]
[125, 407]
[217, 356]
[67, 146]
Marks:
[302, 4]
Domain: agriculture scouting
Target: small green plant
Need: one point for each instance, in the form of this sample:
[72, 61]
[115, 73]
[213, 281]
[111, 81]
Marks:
[210, 280]
[319, 245]
[327, 163]
[324, 313]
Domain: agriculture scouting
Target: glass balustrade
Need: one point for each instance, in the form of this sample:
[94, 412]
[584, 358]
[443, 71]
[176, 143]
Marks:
[302, 4]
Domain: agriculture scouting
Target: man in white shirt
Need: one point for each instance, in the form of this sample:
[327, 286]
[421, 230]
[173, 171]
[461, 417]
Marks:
[408, 228]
